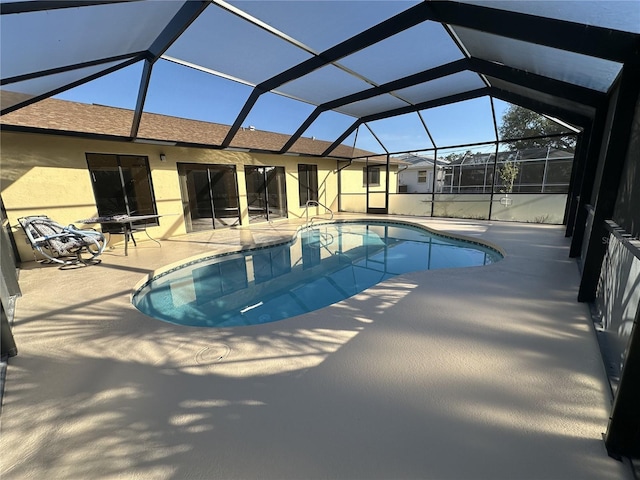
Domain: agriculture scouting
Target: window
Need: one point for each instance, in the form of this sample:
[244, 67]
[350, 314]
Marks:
[373, 177]
[307, 183]
[266, 192]
[122, 186]
[422, 176]
[209, 196]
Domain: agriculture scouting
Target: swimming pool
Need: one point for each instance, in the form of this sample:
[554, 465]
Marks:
[323, 265]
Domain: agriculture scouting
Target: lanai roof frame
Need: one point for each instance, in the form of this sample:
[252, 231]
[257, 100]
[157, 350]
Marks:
[456, 18]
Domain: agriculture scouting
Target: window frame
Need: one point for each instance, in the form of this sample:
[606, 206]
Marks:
[126, 197]
[308, 190]
[367, 173]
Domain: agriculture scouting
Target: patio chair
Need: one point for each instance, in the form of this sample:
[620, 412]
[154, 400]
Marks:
[59, 244]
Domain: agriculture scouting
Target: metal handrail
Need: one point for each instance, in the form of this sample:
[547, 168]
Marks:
[324, 241]
[315, 202]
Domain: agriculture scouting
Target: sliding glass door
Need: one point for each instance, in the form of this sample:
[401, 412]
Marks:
[266, 193]
[209, 196]
[122, 186]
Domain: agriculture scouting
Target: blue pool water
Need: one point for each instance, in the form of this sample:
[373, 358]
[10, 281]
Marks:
[323, 265]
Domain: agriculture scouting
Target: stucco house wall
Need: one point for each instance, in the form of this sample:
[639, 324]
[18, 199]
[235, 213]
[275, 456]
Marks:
[353, 190]
[48, 175]
[408, 177]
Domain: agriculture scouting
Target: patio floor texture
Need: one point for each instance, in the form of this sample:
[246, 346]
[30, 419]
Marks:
[475, 373]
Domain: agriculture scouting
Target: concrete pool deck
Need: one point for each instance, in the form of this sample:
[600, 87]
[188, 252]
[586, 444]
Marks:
[475, 373]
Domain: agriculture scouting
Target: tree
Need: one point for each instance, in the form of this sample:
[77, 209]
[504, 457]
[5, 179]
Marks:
[508, 174]
[519, 122]
[453, 157]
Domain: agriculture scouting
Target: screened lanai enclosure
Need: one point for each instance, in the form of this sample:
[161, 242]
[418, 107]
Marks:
[390, 78]
[427, 86]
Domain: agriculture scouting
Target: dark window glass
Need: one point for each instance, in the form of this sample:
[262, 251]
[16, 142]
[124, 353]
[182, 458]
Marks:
[307, 183]
[209, 196]
[373, 177]
[122, 186]
[266, 192]
[137, 185]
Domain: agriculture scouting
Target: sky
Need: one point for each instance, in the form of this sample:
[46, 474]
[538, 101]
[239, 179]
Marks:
[184, 92]
[256, 40]
[179, 90]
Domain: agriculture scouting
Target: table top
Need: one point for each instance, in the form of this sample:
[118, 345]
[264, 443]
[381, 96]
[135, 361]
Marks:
[118, 219]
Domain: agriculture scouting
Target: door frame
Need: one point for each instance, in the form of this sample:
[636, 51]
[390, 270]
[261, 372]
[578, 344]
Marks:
[183, 169]
[378, 210]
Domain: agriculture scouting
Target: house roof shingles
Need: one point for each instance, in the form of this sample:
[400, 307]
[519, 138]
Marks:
[81, 118]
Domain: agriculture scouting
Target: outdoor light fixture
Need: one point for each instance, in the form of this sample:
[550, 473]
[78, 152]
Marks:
[163, 157]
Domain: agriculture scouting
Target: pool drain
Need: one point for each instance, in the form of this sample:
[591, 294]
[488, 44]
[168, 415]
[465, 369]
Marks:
[212, 354]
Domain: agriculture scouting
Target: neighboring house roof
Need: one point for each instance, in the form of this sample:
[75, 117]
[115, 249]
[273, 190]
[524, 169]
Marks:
[524, 154]
[73, 118]
[413, 158]
[421, 165]
[536, 153]
[476, 158]
[379, 160]
[416, 162]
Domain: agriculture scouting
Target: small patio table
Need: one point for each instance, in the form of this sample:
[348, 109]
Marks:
[127, 225]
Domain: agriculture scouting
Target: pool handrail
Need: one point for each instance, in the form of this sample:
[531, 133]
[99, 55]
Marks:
[315, 202]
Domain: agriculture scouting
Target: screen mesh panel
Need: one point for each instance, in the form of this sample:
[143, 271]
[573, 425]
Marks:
[549, 62]
[36, 41]
[226, 43]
